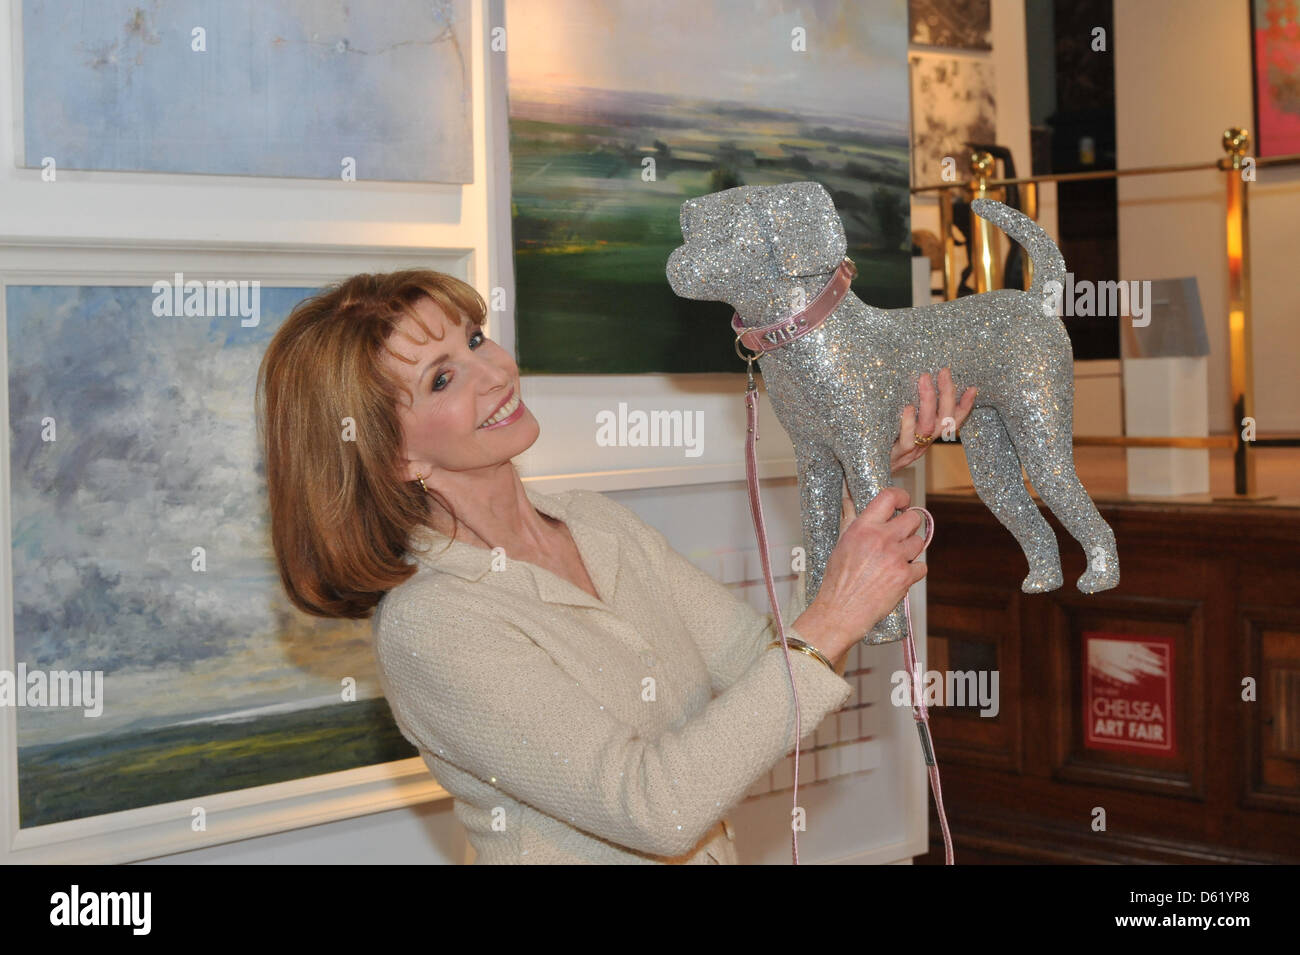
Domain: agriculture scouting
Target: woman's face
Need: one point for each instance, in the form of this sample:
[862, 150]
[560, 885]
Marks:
[458, 383]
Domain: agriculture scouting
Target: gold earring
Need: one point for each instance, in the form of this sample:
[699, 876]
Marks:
[422, 487]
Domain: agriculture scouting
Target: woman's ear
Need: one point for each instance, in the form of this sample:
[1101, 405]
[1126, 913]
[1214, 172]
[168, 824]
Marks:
[412, 471]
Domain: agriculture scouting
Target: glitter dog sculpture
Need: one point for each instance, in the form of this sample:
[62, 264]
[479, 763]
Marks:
[839, 390]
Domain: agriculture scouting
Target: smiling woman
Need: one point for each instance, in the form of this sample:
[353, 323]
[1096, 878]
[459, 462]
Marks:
[328, 414]
[519, 655]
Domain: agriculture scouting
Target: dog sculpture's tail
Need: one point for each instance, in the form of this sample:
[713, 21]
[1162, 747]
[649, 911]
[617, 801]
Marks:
[1049, 264]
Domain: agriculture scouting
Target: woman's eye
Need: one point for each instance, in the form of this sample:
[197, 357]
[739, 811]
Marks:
[478, 334]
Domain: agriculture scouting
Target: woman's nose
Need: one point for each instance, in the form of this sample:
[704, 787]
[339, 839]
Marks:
[497, 385]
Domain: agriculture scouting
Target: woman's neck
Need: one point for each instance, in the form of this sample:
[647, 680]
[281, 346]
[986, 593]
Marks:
[494, 512]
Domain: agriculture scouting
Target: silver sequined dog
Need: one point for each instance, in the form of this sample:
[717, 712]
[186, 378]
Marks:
[839, 390]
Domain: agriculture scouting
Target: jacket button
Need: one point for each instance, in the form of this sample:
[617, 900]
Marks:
[726, 827]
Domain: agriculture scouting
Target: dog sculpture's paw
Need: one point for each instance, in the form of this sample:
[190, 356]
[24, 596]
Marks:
[1102, 572]
[1094, 580]
[1041, 581]
[890, 629]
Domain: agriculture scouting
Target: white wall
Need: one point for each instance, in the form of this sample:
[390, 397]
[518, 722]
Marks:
[132, 207]
[1182, 76]
[864, 814]
[1097, 405]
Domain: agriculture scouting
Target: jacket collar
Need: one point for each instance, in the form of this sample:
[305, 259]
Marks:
[597, 544]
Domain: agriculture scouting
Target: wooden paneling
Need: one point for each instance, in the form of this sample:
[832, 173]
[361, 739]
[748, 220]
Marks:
[1180, 775]
[1270, 723]
[1221, 582]
[978, 625]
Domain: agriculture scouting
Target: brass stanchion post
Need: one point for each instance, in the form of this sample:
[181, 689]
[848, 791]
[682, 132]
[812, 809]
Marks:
[1236, 141]
[1029, 206]
[982, 253]
[949, 251]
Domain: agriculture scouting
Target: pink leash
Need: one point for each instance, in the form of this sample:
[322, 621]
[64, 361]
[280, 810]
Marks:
[919, 712]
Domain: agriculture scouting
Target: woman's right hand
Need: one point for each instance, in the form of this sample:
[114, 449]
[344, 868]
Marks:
[867, 575]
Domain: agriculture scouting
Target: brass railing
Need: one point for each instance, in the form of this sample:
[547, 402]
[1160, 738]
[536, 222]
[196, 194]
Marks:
[987, 271]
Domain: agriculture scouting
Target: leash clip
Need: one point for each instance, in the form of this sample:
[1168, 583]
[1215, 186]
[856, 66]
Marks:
[749, 364]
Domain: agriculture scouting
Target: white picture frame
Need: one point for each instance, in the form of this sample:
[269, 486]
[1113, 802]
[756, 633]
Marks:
[167, 828]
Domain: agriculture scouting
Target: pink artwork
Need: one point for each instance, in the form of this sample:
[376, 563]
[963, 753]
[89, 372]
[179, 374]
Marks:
[1276, 31]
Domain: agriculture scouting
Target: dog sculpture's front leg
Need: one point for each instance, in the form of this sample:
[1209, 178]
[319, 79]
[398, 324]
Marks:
[866, 469]
[821, 497]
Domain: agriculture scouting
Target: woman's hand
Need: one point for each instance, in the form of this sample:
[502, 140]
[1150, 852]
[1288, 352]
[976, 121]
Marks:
[867, 574]
[941, 411]
[934, 409]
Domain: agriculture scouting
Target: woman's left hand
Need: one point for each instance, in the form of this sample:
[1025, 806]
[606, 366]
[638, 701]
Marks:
[938, 410]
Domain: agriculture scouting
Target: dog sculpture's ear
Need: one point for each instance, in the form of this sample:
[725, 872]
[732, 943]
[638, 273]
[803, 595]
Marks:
[806, 231]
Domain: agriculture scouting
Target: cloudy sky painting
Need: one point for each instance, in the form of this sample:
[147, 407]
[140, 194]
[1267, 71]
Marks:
[267, 88]
[155, 454]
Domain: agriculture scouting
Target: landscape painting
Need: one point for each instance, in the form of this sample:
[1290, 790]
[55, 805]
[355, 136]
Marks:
[140, 550]
[621, 111]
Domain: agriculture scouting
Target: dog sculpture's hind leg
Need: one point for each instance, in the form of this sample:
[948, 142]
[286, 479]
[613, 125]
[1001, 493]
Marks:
[995, 472]
[1043, 439]
[1048, 456]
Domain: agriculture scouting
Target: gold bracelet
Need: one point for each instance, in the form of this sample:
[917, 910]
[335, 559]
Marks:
[797, 644]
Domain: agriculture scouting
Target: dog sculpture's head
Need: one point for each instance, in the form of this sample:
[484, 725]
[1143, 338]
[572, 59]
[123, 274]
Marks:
[751, 240]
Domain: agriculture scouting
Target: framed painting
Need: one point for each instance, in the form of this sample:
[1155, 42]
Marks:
[1275, 44]
[953, 102]
[621, 111]
[312, 90]
[162, 693]
[961, 24]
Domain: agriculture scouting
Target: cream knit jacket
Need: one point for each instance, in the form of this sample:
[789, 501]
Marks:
[577, 730]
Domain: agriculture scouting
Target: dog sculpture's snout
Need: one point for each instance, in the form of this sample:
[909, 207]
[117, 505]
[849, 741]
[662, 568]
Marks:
[679, 272]
[674, 267]
[687, 216]
[683, 273]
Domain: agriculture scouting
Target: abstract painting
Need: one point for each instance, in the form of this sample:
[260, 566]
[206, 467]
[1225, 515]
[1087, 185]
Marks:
[313, 89]
[952, 104]
[621, 111]
[140, 551]
[964, 24]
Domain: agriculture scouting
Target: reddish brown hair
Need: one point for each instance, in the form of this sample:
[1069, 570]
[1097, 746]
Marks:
[341, 511]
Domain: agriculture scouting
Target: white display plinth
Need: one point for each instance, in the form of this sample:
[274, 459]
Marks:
[1165, 397]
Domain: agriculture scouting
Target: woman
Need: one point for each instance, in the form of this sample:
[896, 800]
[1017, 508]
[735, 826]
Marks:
[584, 692]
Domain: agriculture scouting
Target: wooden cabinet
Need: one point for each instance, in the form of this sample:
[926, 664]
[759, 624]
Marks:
[1222, 582]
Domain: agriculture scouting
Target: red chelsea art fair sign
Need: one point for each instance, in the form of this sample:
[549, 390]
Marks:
[1128, 693]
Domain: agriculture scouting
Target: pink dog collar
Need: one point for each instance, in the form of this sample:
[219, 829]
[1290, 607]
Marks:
[768, 338]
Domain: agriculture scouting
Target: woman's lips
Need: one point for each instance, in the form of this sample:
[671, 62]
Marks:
[510, 418]
[504, 401]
